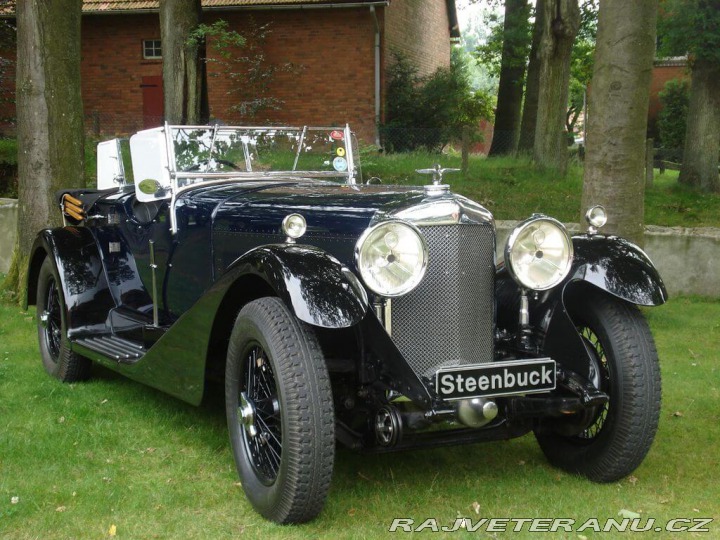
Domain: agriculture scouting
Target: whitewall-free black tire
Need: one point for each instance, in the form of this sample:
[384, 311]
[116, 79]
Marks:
[280, 415]
[58, 359]
[617, 436]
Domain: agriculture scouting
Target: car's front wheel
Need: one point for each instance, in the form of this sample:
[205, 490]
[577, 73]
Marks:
[58, 359]
[609, 442]
[280, 412]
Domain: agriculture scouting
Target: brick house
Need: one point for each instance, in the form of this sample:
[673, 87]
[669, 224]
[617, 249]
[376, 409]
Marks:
[664, 70]
[341, 48]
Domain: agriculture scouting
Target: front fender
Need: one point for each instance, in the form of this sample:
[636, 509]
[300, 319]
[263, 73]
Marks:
[315, 285]
[78, 263]
[618, 267]
[611, 264]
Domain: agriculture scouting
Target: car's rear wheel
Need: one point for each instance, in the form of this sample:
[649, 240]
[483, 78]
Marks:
[612, 440]
[280, 412]
[58, 359]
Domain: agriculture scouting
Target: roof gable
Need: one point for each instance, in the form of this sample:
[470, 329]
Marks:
[110, 6]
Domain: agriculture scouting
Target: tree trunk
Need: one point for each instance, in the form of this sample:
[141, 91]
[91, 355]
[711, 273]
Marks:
[702, 135]
[512, 75]
[184, 70]
[50, 118]
[617, 122]
[561, 21]
[532, 85]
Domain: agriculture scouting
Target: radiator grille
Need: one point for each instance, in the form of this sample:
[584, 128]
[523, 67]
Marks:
[448, 319]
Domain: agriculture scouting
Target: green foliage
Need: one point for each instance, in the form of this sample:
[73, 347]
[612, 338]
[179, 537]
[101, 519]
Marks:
[588, 20]
[8, 151]
[581, 62]
[8, 168]
[672, 118]
[223, 38]
[473, 33]
[242, 60]
[581, 66]
[479, 74]
[489, 53]
[517, 35]
[429, 112]
[690, 27]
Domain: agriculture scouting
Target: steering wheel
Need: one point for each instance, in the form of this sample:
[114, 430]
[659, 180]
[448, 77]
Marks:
[223, 162]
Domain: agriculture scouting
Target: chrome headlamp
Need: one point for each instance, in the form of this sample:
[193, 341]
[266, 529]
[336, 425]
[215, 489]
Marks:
[391, 258]
[539, 253]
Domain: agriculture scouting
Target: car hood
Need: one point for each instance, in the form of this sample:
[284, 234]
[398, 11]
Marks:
[245, 215]
[336, 209]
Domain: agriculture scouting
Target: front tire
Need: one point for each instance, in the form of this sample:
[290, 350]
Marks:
[58, 359]
[611, 442]
[280, 412]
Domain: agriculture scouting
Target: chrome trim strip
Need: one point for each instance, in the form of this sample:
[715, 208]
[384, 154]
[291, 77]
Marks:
[153, 268]
[258, 174]
[297, 155]
[445, 210]
[349, 155]
[387, 315]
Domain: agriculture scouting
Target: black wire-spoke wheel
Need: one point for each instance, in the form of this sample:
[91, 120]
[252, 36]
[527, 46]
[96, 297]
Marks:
[608, 442]
[600, 377]
[58, 359]
[259, 412]
[51, 321]
[279, 410]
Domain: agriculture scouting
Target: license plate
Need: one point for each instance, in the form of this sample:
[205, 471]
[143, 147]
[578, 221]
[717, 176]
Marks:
[496, 379]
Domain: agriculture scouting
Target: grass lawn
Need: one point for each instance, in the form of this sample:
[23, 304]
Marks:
[79, 460]
[514, 189]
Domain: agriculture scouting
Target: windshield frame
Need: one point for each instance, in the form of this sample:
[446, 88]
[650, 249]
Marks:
[349, 176]
[178, 179]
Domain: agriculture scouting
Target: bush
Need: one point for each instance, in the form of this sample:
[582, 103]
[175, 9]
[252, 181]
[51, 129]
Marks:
[429, 112]
[8, 168]
[672, 118]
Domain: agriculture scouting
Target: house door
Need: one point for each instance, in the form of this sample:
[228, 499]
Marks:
[152, 88]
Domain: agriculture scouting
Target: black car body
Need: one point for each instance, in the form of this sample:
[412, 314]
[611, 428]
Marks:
[335, 309]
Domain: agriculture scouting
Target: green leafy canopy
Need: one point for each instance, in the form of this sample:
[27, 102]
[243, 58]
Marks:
[435, 107]
[690, 27]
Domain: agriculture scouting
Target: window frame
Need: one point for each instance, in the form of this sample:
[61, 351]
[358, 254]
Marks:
[153, 45]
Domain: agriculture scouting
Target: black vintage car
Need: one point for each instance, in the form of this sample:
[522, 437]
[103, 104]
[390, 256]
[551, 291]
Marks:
[338, 309]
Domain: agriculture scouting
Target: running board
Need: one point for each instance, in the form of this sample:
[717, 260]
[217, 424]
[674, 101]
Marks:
[113, 347]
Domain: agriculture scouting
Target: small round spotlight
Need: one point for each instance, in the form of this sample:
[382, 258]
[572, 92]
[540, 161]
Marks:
[596, 217]
[294, 226]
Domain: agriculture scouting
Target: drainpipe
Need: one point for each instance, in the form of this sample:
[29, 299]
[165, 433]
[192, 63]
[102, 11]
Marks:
[377, 76]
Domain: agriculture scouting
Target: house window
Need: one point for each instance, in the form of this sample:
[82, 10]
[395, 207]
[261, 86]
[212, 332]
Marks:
[152, 49]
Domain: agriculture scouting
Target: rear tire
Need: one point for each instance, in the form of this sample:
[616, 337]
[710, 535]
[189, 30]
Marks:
[58, 359]
[615, 439]
[280, 412]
